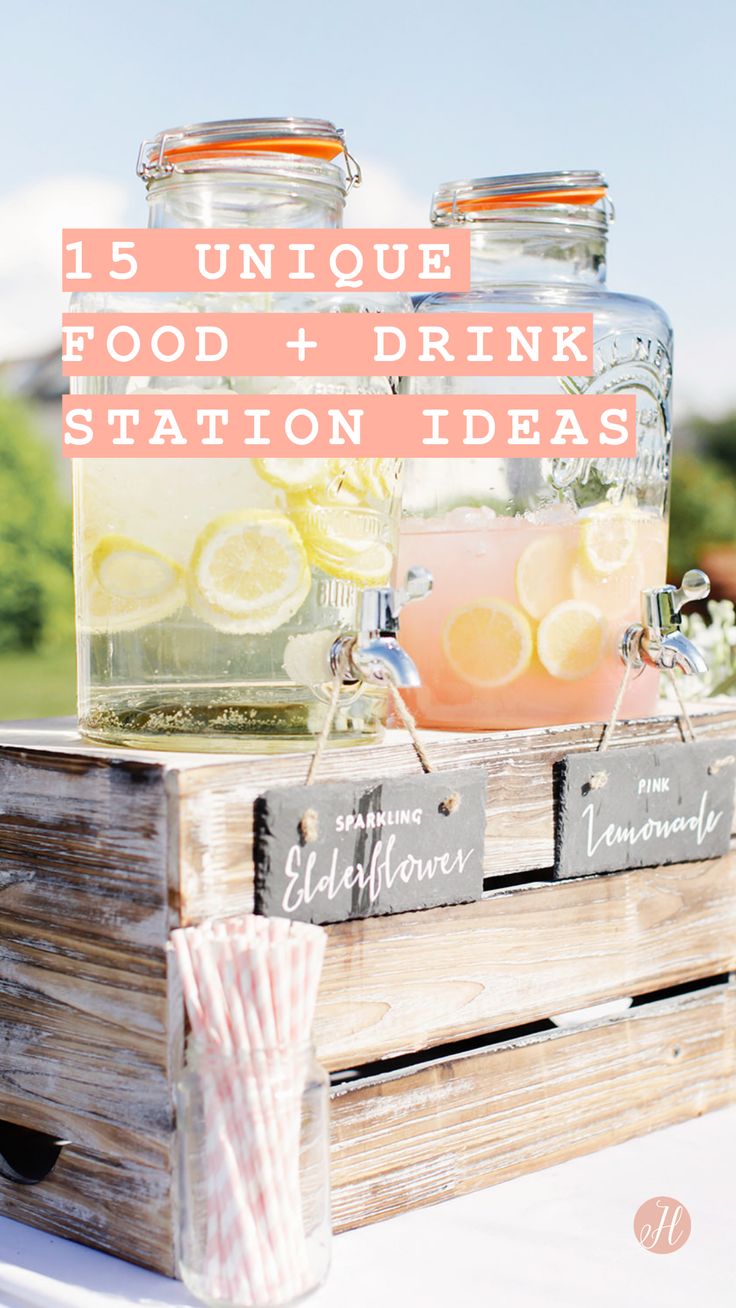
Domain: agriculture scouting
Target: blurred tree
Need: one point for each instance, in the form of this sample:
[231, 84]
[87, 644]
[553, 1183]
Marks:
[36, 592]
[716, 437]
[703, 510]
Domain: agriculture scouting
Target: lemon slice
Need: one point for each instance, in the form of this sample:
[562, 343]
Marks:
[295, 474]
[249, 571]
[571, 640]
[127, 585]
[345, 541]
[543, 574]
[618, 593]
[371, 566]
[488, 643]
[607, 540]
[267, 620]
[365, 479]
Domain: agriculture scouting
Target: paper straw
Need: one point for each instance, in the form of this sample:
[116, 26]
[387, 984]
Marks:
[250, 988]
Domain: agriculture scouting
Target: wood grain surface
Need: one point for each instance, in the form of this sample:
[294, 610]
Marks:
[210, 797]
[89, 1038]
[395, 985]
[216, 816]
[109, 1202]
[457, 1125]
[101, 851]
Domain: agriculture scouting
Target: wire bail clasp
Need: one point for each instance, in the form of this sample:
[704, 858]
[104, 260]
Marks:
[352, 168]
[150, 169]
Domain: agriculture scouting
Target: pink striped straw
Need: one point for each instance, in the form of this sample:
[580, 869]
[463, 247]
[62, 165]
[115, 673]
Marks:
[250, 989]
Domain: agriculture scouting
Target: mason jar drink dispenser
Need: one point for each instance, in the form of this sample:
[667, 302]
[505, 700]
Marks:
[210, 592]
[539, 565]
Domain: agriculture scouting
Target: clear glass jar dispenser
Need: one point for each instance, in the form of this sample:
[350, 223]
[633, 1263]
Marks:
[538, 565]
[208, 591]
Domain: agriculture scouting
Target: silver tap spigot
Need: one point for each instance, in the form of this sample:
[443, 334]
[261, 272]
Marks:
[373, 653]
[658, 639]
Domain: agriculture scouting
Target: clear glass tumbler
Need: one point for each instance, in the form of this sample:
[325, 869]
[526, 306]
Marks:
[252, 1183]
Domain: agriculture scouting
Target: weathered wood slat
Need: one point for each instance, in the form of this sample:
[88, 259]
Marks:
[72, 830]
[89, 1038]
[91, 1134]
[110, 1203]
[100, 852]
[91, 1067]
[210, 798]
[215, 814]
[457, 1125]
[417, 980]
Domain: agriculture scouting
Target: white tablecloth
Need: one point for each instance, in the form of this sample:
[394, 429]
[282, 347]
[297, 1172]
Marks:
[559, 1237]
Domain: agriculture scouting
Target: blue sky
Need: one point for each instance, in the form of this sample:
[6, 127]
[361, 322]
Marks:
[425, 91]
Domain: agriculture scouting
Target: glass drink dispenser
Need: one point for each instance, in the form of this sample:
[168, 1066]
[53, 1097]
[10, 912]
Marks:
[210, 591]
[538, 565]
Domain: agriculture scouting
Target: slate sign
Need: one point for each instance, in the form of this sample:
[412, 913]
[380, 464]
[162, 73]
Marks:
[644, 806]
[340, 850]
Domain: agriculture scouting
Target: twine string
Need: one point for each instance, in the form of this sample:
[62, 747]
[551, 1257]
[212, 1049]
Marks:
[684, 715]
[407, 719]
[599, 779]
[309, 823]
[615, 711]
[324, 734]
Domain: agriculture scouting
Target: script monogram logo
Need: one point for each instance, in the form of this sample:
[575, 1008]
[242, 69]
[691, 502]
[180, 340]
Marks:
[662, 1225]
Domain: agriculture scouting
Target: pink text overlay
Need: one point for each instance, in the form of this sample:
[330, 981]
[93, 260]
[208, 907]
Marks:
[322, 426]
[265, 259]
[327, 344]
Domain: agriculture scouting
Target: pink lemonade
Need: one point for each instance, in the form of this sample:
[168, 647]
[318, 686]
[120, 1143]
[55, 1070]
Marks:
[522, 627]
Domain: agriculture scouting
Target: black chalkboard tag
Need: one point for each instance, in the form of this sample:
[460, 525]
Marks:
[341, 850]
[643, 807]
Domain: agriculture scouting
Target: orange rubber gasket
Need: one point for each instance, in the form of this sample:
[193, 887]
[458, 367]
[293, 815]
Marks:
[524, 198]
[311, 147]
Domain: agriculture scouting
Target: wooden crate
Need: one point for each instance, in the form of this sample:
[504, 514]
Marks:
[448, 1073]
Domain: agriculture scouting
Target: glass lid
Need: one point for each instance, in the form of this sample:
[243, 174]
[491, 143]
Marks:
[211, 145]
[481, 198]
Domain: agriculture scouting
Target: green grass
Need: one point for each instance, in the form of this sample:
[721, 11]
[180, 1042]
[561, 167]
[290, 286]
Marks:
[37, 685]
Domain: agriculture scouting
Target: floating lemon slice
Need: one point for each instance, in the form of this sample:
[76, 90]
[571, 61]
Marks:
[344, 542]
[267, 620]
[617, 593]
[295, 474]
[607, 540]
[128, 585]
[249, 571]
[543, 574]
[488, 643]
[571, 640]
[371, 566]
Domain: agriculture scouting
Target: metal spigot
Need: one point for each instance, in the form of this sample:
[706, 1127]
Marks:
[658, 640]
[373, 653]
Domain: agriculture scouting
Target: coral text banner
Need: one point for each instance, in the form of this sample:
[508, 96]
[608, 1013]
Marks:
[220, 423]
[268, 259]
[549, 344]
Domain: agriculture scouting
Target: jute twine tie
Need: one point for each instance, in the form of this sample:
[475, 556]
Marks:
[309, 822]
[600, 779]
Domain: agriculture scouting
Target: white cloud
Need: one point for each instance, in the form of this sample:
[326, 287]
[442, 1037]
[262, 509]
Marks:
[31, 222]
[383, 200]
